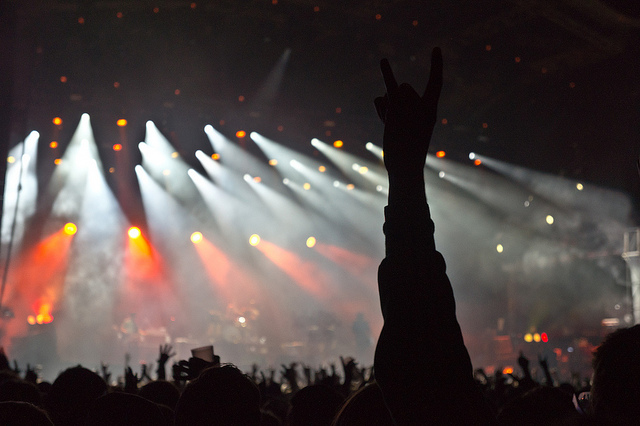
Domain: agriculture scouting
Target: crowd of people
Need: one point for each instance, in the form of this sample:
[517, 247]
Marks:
[422, 372]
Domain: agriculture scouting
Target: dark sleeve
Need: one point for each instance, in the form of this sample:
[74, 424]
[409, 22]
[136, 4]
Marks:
[421, 362]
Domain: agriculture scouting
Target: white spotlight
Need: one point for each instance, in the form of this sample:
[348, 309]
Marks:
[208, 128]
[315, 142]
[441, 175]
[472, 156]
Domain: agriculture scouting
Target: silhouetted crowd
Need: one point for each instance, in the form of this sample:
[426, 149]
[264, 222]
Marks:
[422, 372]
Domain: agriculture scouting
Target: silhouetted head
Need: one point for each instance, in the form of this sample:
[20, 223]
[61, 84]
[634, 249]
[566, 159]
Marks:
[542, 405]
[72, 393]
[19, 390]
[615, 393]
[220, 395]
[121, 409]
[161, 392]
[18, 413]
[365, 407]
[314, 405]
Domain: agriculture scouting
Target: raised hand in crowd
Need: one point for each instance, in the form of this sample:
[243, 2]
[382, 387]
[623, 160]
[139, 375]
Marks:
[166, 352]
[420, 325]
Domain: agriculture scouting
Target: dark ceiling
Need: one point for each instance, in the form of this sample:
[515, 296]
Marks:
[549, 85]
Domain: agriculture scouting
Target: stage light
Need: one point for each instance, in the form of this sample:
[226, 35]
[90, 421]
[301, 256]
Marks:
[528, 338]
[70, 228]
[322, 169]
[215, 156]
[440, 154]
[363, 170]
[57, 121]
[241, 134]
[549, 219]
[507, 370]
[536, 337]
[117, 147]
[544, 337]
[350, 187]
[441, 175]
[579, 187]
[306, 186]
[166, 172]
[196, 237]
[242, 320]
[311, 241]
[134, 232]
[53, 144]
[63, 79]
[477, 162]
[254, 240]
[338, 144]
[499, 248]
[121, 122]
[273, 162]
[31, 320]
[57, 161]
[445, 121]
[174, 154]
[11, 159]
[257, 179]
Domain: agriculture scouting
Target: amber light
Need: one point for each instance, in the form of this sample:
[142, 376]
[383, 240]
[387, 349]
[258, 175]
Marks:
[134, 232]
[121, 122]
[57, 121]
[241, 134]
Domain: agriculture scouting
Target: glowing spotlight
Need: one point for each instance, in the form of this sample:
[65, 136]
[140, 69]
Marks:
[579, 187]
[311, 241]
[363, 170]
[117, 147]
[174, 154]
[31, 320]
[134, 232]
[507, 370]
[257, 179]
[499, 248]
[306, 186]
[528, 338]
[350, 187]
[242, 320]
[241, 134]
[536, 337]
[440, 154]
[70, 228]
[441, 175]
[549, 219]
[53, 144]
[57, 121]
[322, 169]
[254, 240]
[215, 156]
[57, 161]
[121, 122]
[338, 144]
[166, 172]
[11, 159]
[544, 337]
[477, 162]
[273, 162]
[472, 156]
[196, 237]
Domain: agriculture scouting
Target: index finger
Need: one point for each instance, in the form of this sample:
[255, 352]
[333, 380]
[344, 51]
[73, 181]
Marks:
[434, 85]
[387, 74]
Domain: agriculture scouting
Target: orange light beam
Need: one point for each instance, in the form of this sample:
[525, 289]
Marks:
[305, 273]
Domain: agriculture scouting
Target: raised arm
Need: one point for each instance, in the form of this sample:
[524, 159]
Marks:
[421, 363]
